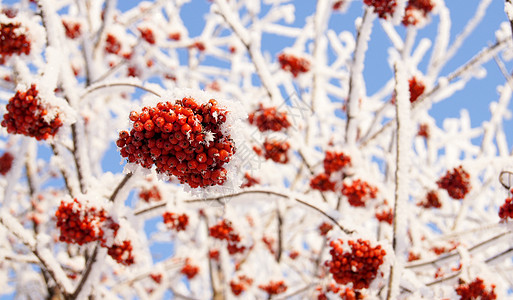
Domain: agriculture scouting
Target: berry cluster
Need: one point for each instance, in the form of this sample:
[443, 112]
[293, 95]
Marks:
[72, 29]
[359, 192]
[26, 115]
[214, 254]
[6, 162]
[175, 36]
[415, 10]
[80, 225]
[344, 293]
[360, 266]
[223, 230]
[240, 285]
[151, 194]
[249, 181]
[456, 183]
[112, 45]
[122, 253]
[431, 200]
[324, 228]
[322, 183]
[337, 5]
[506, 210]
[384, 8]
[385, 216]
[475, 290]
[182, 139]
[147, 35]
[335, 161]
[156, 277]
[276, 150]
[14, 42]
[417, 87]
[189, 270]
[268, 119]
[293, 64]
[274, 287]
[423, 131]
[175, 221]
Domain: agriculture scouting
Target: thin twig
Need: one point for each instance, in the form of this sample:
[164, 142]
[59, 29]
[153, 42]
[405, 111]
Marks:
[114, 84]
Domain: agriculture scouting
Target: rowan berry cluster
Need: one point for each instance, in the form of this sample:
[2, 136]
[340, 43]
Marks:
[335, 161]
[268, 119]
[151, 194]
[274, 287]
[6, 162]
[359, 192]
[322, 183]
[182, 139]
[385, 216]
[240, 285]
[456, 183]
[344, 293]
[14, 41]
[384, 8]
[359, 266]
[416, 87]
[223, 230]
[147, 35]
[276, 150]
[112, 45]
[506, 210]
[249, 181]
[324, 228]
[27, 115]
[72, 29]
[80, 224]
[122, 253]
[431, 200]
[176, 221]
[415, 10]
[475, 290]
[189, 269]
[293, 64]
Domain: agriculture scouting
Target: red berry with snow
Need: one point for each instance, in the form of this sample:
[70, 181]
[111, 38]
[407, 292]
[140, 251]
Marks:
[183, 139]
[122, 253]
[423, 131]
[358, 266]
[359, 192]
[431, 200]
[386, 216]
[335, 161]
[189, 270]
[324, 228]
[293, 64]
[72, 29]
[176, 221]
[27, 115]
[112, 45]
[14, 41]
[416, 10]
[475, 290]
[456, 183]
[147, 35]
[416, 87]
[506, 210]
[384, 8]
[249, 181]
[322, 183]
[151, 194]
[268, 119]
[276, 151]
[274, 287]
[240, 285]
[6, 162]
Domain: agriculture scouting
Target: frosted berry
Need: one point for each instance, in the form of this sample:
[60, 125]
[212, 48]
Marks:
[175, 36]
[324, 228]
[384, 8]
[358, 266]
[239, 285]
[456, 183]
[27, 115]
[506, 210]
[14, 41]
[386, 216]
[112, 45]
[175, 221]
[423, 131]
[335, 161]
[72, 29]
[475, 290]
[416, 10]
[122, 253]
[151, 194]
[223, 230]
[359, 192]
[431, 200]
[156, 277]
[322, 183]
[268, 119]
[181, 139]
[189, 270]
[416, 87]
[249, 181]
[274, 287]
[147, 35]
[6, 162]
[293, 64]
[276, 151]
[337, 5]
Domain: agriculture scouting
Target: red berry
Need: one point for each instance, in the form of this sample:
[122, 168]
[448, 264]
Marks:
[6, 162]
[456, 183]
[293, 64]
[384, 8]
